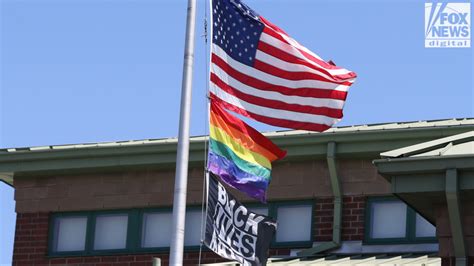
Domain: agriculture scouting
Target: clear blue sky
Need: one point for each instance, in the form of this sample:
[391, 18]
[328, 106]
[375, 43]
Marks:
[102, 70]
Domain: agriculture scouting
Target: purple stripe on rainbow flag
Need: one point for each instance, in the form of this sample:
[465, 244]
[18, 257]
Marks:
[252, 185]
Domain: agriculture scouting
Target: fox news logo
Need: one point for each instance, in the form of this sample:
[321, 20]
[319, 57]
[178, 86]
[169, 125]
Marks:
[447, 25]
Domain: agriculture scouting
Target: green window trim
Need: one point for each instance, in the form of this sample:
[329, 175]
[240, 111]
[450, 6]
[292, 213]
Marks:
[51, 233]
[90, 233]
[139, 231]
[134, 232]
[410, 234]
[273, 212]
[135, 229]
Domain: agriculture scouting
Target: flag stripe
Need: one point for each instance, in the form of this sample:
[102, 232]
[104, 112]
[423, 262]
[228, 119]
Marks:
[271, 120]
[237, 124]
[269, 78]
[241, 151]
[242, 138]
[286, 37]
[270, 112]
[270, 55]
[275, 104]
[231, 169]
[283, 50]
[290, 75]
[222, 150]
[309, 93]
[287, 41]
[275, 31]
[273, 95]
[232, 175]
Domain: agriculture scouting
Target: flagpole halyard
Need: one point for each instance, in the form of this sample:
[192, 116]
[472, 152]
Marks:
[182, 158]
[207, 36]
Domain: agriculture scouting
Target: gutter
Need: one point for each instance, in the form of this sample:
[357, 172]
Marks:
[83, 158]
[337, 217]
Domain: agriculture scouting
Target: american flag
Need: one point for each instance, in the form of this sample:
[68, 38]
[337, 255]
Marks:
[258, 71]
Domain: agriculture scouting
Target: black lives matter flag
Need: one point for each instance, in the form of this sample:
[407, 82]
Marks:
[232, 231]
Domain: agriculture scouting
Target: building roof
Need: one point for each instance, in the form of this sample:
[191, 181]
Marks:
[460, 144]
[408, 259]
[363, 141]
[275, 134]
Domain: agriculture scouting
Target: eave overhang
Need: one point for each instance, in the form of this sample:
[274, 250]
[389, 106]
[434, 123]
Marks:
[420, 179]
[162, 154]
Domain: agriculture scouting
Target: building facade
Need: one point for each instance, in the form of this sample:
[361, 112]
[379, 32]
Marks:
[111, 203]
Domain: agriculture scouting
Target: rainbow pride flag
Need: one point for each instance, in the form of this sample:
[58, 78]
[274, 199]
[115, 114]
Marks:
[239, 154]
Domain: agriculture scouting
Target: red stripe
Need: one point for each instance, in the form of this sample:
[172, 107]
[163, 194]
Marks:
[273, 26]
[261, 85]
[239, 125]
[277, 31]
[284, 56]
[274, 31]
[330, 112]
[290, 75]
[275, 35]
[269, 120]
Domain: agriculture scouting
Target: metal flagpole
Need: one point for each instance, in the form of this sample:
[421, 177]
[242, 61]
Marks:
[181, 176]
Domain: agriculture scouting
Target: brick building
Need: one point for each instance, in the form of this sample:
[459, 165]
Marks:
[110, 203]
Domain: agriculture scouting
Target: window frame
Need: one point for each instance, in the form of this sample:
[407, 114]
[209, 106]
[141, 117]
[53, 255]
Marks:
[51, 233]
[129, 240]
[135, 229]
[134, 232]
[273, 211]
[139, 248]
[410, 228]
[140, 229]
[90, 233]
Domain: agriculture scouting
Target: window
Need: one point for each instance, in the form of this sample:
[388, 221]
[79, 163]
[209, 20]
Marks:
[156, 230]
[69, 234]
[294, 223]
[424, 228]
[89, 233]
[149, 230]
[192, 233]
[110, 231]
[157, 225]
[389, 220]
[295, 220]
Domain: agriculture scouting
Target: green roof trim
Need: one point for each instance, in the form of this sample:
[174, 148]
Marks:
[442, 145]
[355, 141]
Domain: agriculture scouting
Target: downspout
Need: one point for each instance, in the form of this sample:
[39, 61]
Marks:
[337, 217]
[455, 220]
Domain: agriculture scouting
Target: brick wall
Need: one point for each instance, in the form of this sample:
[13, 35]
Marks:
[151, 187]
[36, 196]
[451, 261]
[353, 209]
[31, 238]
